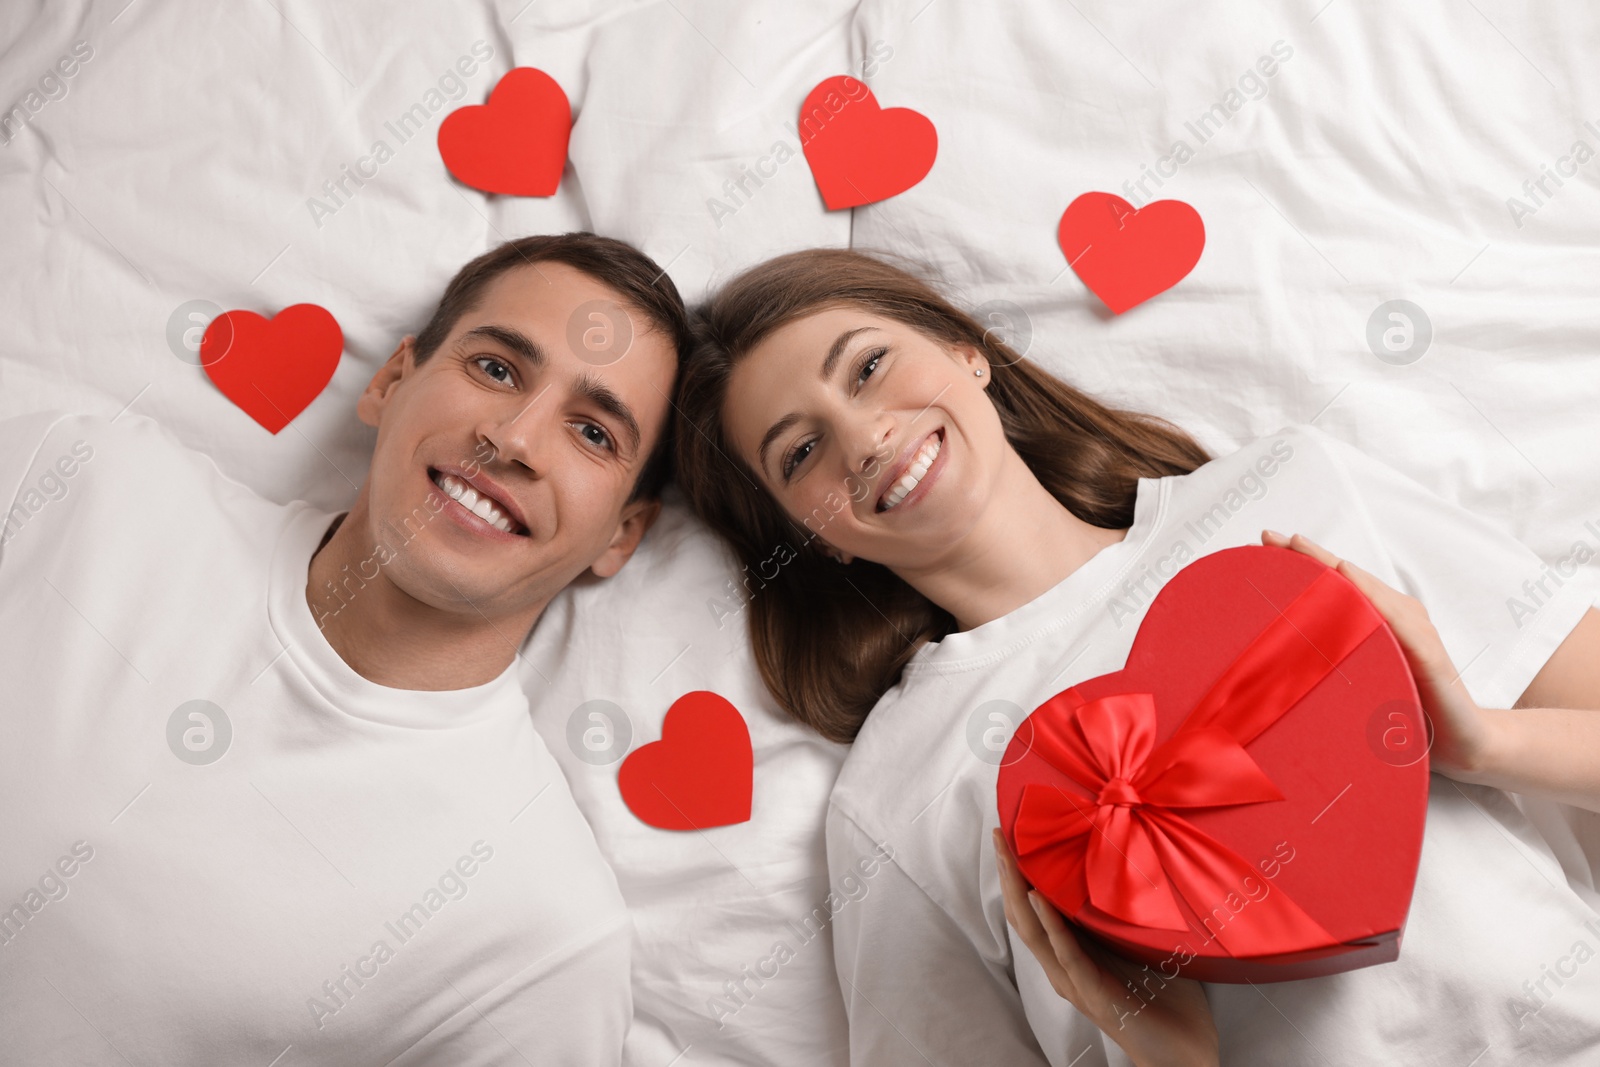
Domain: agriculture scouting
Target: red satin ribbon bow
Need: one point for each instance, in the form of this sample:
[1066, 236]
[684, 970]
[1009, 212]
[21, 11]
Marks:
[1124, 847]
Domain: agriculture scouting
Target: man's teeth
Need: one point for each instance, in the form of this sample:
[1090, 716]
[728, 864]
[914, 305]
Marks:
[468, 497]
[919, 466]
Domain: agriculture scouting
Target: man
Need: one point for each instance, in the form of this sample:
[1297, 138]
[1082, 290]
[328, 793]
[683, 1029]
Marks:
[269, 792]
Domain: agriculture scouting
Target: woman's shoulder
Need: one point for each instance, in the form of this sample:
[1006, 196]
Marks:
[1278, 447]
[912, 736]
[1294, 454]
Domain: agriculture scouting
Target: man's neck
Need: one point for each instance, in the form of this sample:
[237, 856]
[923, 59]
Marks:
[388, 636]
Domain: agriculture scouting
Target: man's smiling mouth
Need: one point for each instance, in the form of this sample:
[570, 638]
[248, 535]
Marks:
[485, 507]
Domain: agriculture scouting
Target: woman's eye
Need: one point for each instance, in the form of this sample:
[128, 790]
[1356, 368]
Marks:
[793, 459]
[494, 368]
[869, 364]
[595, 435]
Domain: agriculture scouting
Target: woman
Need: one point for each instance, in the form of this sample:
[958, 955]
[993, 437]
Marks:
[939, 536]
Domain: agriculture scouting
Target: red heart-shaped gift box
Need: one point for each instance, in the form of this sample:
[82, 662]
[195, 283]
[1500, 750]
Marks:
[1245, 799]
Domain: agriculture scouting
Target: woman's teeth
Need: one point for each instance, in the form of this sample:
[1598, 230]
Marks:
[480, 506]
[919, 466]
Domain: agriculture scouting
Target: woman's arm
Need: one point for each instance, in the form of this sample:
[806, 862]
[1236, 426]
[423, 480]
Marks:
[1548, 745]
[1571, 676]
[1551, 742]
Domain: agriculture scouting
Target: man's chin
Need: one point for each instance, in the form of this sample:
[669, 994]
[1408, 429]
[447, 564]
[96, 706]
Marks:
[465, 591]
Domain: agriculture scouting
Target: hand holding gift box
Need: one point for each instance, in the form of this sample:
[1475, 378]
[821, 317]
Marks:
[1231, 803]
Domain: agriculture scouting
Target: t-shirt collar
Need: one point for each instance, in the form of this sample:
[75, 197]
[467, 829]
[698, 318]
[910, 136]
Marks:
[1067, 599]
[335, 680]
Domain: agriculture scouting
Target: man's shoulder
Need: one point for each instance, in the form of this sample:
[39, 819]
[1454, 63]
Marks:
[33, 442]
[43, 456]
[126, 471]
[142, 451]
[18, 430]
[22, 437]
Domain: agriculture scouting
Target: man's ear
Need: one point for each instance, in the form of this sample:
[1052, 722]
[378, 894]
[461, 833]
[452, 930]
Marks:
[637, 518]
[379, 391]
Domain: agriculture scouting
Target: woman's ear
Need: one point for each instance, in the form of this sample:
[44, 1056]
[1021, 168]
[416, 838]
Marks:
[835, 555]
[975, 361]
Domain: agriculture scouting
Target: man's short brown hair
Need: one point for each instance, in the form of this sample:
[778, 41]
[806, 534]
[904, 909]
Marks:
[643, 286]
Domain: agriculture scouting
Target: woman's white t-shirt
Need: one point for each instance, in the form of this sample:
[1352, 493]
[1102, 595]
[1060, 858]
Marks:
[219, 844]
[1500, 959]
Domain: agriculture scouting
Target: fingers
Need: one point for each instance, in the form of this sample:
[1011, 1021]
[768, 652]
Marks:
[1082, 973]
[1018, 912]
[1025, 919]
[1008, 889]
[1071, 968]
[1068, 951]
[1404, 614]
[1302, 544]
[1376, 590]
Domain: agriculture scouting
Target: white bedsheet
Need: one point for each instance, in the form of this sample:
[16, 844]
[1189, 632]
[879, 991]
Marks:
[179, 162]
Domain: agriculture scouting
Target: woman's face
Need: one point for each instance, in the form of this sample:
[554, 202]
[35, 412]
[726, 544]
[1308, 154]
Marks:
[878, 439]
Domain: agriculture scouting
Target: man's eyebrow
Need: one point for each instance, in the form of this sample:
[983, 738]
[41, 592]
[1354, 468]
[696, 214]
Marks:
[829, 362]
[601, 396]
[517, 342]
[587, 386]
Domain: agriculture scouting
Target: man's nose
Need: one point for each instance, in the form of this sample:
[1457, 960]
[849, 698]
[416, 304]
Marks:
[521, 434]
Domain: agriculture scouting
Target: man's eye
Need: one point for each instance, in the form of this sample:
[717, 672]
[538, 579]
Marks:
[795, 456]
[494, 368]
[595, 435]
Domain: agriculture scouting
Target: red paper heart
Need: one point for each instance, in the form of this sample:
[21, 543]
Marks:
[516, 144]
[1125, 256]
[700, 774]
[860, 153]
[272, 368]
[1352, 816]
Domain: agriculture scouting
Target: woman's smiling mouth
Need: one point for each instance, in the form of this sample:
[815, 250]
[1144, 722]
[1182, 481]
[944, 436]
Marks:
[913, 472]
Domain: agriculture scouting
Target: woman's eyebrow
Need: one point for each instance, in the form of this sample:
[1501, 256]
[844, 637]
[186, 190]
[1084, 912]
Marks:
[773, 434]
[829, 362]
[837, 349]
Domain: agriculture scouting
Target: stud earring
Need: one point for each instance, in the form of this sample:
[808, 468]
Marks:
[978, 372]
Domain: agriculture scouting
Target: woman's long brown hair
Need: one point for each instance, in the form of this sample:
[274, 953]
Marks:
[831, 638]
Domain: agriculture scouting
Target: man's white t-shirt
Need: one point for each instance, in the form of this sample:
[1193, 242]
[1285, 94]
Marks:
[1500, 958]
[307, 868]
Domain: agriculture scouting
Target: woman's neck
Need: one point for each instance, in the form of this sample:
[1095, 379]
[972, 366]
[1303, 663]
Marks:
[1024, 544]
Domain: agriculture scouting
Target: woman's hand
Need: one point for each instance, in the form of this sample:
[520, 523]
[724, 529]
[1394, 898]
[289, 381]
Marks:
[1174, 1029]
[1463, 733]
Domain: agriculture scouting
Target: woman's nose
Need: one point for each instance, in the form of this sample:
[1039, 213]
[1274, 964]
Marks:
[870, 446]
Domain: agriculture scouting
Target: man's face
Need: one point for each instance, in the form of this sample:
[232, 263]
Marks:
[548, 442]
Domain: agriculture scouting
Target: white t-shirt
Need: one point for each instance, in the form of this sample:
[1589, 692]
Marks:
[931, 971]
[359, 874]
